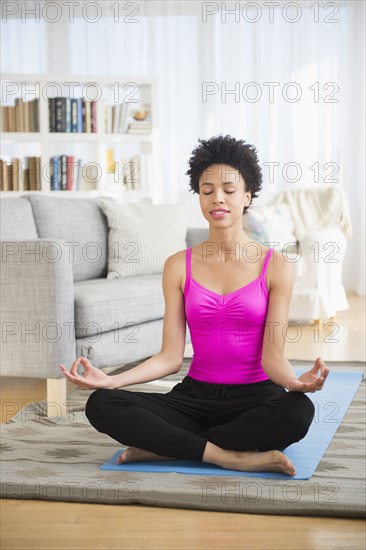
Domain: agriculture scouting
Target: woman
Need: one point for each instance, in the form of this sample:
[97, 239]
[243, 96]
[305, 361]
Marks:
[240, 403]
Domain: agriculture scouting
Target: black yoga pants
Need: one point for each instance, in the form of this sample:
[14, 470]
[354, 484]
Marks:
[242, 417]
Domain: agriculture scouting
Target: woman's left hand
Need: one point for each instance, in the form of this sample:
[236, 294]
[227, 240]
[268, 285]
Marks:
[309, 381]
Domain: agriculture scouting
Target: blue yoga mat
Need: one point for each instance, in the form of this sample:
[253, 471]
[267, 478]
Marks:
[331, 405]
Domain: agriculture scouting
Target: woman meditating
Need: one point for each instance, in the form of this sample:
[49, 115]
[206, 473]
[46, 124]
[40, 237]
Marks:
[240, 403]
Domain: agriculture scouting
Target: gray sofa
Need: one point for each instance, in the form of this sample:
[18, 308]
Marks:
[56, 302]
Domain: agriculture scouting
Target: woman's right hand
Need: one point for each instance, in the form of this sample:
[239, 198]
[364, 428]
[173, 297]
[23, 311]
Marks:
[91, 378]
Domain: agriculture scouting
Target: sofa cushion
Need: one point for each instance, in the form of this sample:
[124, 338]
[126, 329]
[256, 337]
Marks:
[79, 222]
[102, 305]
[17, 220]
[271, 224]
[142, 236]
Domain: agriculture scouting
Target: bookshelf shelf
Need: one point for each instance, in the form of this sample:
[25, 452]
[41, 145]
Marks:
[65, 136]
[71, 137]
[131, 153]
[127, 137]
[20, 136]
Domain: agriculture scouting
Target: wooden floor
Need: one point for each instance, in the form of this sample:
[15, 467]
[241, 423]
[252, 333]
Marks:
[58, 525]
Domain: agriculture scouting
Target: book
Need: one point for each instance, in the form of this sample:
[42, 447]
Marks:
[88, 127]
[138, 131]
[83, 115]
[35, 126]
[70, 173]
[18, 115]
[93, 108]
[125, 119]
[32, 173]
[25, 179]
[64, 172]
[79, 114]
[58, 114]
[15, 175]
[52, 114]
[55, 173]
[107, 118]
[7, 177]
[77, 174]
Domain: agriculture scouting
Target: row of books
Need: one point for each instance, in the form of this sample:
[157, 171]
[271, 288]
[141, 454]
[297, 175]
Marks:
[66, 173]
[65, 114]
[70, 114]
[22, 117]
[14, 172]
[118, 119]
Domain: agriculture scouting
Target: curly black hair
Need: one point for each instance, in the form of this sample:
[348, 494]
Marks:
[226, 150]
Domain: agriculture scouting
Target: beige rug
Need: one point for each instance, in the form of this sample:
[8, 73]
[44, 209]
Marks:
[58, 459]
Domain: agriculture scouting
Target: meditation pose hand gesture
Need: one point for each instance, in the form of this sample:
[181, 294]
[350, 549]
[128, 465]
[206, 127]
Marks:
[91, 378]
[309, 381]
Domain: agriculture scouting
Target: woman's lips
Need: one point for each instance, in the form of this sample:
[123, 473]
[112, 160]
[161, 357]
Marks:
[219, 214]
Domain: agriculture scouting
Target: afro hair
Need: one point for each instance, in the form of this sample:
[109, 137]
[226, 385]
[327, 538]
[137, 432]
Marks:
[226, 150]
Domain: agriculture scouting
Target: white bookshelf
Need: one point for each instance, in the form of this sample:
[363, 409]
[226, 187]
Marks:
[90, 147]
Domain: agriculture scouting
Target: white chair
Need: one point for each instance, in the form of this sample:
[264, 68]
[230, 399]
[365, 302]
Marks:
[320, 224]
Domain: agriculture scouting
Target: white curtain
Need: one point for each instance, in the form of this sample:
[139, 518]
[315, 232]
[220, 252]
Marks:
[310, 51]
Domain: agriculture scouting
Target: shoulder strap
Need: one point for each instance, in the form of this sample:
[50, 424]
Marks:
[188, 270]
[266, 261]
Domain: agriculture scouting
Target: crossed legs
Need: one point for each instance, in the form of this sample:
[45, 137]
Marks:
[174, 426]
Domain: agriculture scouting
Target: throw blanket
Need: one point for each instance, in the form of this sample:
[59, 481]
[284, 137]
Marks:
[315, 208]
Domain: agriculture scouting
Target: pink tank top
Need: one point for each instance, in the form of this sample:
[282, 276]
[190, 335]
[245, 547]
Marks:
[227, 330]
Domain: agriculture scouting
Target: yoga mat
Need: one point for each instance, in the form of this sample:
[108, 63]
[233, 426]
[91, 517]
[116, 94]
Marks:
[331, 404]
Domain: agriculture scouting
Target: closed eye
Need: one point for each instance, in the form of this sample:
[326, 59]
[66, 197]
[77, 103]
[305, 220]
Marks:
[227, 192]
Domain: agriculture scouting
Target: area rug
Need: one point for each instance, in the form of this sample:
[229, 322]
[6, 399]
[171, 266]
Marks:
[58, 459]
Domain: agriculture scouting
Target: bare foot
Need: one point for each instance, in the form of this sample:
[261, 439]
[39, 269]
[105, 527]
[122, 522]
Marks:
[133, 454]
[250, 461]
[264, 461]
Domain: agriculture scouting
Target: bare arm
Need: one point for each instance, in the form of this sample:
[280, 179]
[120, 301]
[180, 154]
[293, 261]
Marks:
[274, 363]
[157, 366]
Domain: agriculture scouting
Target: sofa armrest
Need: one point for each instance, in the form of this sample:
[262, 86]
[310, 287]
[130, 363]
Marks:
[37, 308]
[196, 235]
